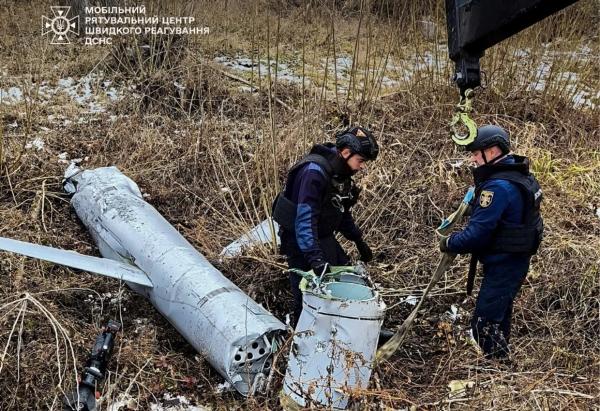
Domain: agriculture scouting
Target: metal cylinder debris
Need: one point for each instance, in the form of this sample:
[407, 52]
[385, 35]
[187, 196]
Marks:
[235, 334]
[263, 233]
[335, 340]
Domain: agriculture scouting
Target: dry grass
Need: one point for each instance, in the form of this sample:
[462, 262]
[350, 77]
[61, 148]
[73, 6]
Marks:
[211, 157]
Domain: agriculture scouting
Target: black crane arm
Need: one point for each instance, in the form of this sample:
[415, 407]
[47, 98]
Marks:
[475, 25]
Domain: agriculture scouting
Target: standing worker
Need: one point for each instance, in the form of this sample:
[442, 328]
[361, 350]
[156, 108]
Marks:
[316, 203]
[504, 231]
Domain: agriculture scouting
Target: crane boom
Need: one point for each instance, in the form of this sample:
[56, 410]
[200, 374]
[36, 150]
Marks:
[476, 25]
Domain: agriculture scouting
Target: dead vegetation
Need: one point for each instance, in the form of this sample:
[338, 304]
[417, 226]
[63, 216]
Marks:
[210, 155]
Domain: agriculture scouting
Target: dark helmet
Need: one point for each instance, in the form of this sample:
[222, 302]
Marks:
[360, 141]
[489, 136]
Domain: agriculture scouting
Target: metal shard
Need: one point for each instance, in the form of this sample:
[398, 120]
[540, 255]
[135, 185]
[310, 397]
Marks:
[263, 233]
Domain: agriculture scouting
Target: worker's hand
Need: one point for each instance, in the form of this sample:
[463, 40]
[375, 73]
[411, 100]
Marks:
[365, 252]
[444, 244]
[321, 268]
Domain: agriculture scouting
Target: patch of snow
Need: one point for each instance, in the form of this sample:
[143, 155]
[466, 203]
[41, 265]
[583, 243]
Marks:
[11, 96]
[396, 71]
[388, 82]
[568, 76]
[65, 82]
[522, 53]
[584, 98]
[411, 300]
[246, 64]
[224, 387]
[82, 91]
[122, 403]
[36, 143]
[542, 73]
[95, 107]
[428, 29]
[585, 49]
[246, 89]
[456, 164]
[176, 403]
[429, 58]
[112, 94]
[453, 313]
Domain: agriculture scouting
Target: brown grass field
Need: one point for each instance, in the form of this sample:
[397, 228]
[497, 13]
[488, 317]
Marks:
[209, 144]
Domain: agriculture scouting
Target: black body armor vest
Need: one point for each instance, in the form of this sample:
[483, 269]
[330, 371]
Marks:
[526, 237]
[341, 193]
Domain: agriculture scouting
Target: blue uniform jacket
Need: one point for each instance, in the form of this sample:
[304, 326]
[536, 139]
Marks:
[308, 191]
[500, 202]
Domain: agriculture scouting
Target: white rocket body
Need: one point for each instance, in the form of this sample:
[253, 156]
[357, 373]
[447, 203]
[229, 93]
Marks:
[235, 334]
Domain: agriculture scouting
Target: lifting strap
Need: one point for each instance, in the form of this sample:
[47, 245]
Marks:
[389, 348]
[471, 275]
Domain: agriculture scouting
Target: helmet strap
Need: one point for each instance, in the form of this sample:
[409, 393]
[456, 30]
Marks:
[498, 157]
[348, 165]
[483, 156]
[493, 160]
[344, 163]
[346, 158]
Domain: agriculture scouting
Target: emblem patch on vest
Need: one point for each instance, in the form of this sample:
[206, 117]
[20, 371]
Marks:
[485, 199]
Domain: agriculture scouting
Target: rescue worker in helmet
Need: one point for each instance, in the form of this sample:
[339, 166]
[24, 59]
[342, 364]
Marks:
[316, 203]
[504, 231]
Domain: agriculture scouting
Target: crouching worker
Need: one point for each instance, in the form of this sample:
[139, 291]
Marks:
[316, 203]
[504, 231]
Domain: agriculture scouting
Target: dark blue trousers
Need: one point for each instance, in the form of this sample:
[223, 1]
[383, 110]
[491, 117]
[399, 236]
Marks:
[503, 275]
[334, 255]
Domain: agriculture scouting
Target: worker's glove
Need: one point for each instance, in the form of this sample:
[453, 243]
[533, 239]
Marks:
[444, 244]
[365, 252]
[321, 269]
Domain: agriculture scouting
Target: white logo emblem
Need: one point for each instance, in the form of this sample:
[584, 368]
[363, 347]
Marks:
[60, 25]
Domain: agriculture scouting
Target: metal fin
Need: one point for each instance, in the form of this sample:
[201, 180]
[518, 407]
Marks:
[97, 265]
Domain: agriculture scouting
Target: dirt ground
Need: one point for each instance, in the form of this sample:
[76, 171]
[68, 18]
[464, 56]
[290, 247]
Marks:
[195, 121]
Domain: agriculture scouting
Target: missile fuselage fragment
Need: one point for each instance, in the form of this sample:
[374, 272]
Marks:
[218, 319]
